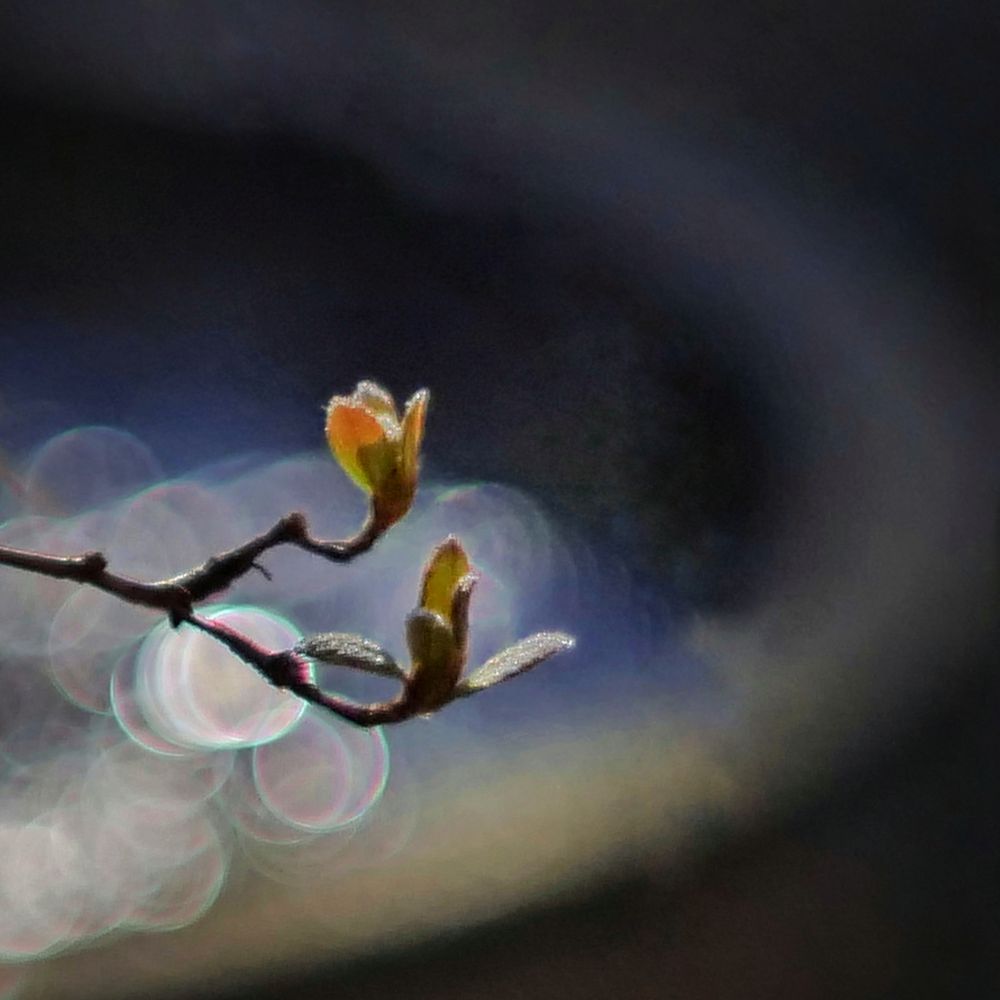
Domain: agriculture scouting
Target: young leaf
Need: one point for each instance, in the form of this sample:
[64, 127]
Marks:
[460, 612]
[414, 418]
[349, 428]
[343, 649]
[446, 567]
[514, 660]
[378, 452]
[437, 661]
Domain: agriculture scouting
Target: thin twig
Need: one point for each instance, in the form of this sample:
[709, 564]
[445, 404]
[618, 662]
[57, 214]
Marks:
[91, 568]
[177, 595]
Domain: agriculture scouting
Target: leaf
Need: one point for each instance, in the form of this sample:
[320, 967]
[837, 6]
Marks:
[514, 660]
[437, 662]
[349, 428]
[375, 399]
[460, 611]
[414, 418]
[445, 568]
[430, 640]
[379, 461]
[342, 649]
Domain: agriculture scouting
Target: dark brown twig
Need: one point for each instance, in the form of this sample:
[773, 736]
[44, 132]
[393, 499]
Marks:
[91, 568]
[177, 595]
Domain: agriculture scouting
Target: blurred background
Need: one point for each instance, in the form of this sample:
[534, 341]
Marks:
[705, 295]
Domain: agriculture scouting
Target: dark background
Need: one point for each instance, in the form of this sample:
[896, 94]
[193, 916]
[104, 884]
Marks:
[213, 214]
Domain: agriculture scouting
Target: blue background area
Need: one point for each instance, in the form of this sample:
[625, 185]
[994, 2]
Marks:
[214, 218]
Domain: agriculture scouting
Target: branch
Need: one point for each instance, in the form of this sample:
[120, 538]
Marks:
[177, 595]
[91, 568]
[380, 453]
[432, 682]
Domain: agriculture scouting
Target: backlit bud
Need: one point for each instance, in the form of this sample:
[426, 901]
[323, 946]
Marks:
[437, 631]
[377, 450]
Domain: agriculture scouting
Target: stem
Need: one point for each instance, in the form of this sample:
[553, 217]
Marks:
[379, 714]
[342, 551]
[177, 595]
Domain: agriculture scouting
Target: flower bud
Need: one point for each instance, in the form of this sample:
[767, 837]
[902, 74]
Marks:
[437, 631]
[377, 450]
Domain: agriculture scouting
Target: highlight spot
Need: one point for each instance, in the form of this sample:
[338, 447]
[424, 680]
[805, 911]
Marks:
[185, 691]
[85, 467]
[324, 775]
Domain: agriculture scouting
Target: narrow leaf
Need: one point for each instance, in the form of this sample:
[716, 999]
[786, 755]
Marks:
[343, 649]
[414, 418]
[460, 612]
[514, 660]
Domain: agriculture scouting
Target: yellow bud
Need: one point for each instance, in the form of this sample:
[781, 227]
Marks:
[378, 452]
[445, 568]
[437, 632]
